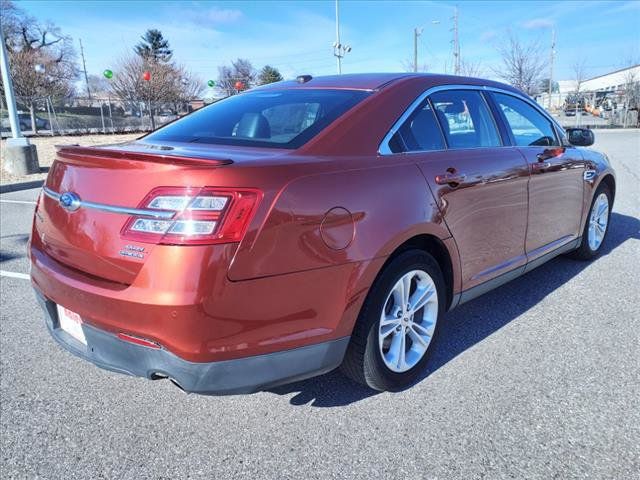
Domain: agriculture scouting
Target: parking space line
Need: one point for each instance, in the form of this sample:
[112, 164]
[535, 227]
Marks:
[23, 276]
[17, 201]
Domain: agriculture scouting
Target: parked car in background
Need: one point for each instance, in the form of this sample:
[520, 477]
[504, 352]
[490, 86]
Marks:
[25, 122]
[309, 224]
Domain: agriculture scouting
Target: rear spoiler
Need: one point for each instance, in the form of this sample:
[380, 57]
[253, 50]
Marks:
[77, 152]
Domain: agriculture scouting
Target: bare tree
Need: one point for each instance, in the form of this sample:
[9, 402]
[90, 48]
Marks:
[522, 64]
[407, 66]
[99, 85]
[631, 92]
[471, 69]
[42, 59]
[168, 83]
[241, 70]
[226, 80]
[189, 88]
[579, 74]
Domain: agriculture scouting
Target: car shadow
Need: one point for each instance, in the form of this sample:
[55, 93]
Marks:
[470, 323]
[12, 247]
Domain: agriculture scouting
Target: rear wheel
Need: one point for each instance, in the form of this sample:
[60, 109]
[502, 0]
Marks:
[597, 225]
[397, 326]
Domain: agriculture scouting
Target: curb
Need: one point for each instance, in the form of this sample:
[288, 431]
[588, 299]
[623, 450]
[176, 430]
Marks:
[16, 187]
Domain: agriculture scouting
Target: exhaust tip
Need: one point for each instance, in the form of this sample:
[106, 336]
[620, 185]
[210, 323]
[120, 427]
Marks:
[177, 384]
[163, 376]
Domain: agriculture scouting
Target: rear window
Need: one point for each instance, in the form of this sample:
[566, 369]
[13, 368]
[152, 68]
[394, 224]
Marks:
[281, 119]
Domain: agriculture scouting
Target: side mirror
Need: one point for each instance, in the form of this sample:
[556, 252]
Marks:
[580, 137]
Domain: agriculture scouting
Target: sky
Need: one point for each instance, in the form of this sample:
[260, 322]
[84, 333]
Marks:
[297, 36]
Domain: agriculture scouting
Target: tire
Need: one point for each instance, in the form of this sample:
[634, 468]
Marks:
[372, 361]
[589, 248]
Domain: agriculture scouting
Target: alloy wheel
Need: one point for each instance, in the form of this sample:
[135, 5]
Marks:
[408, 321]
[598, 221]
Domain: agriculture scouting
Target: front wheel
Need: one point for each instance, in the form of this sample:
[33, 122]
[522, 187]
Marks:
[395, 331]
[597, 225]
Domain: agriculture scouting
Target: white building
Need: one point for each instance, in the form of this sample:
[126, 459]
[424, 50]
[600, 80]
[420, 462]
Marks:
[609, 82]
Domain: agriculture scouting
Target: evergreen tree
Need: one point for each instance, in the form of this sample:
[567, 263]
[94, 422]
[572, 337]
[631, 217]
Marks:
[154, 47]
[269, 74]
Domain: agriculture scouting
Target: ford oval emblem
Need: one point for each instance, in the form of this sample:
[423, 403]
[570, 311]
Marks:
[69, 201]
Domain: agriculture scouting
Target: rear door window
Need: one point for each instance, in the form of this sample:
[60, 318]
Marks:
[528, 126]
[465, 119]
[419, 133]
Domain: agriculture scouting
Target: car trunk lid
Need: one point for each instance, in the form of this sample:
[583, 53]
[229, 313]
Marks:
[110, 182]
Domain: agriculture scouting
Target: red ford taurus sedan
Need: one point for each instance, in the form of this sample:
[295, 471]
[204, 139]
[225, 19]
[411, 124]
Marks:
[308, 224]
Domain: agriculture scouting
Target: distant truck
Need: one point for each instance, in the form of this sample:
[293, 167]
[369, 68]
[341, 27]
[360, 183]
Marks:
[574, 104]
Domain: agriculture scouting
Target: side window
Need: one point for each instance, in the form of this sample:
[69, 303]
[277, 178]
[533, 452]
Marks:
[528, 126]
[465, 119]
[420, 132]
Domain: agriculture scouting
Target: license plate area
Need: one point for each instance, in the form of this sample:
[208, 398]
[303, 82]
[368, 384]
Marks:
[71, 323]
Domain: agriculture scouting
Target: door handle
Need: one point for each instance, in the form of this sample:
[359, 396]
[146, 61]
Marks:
[550, 153]
[540, 165]
[450, 178]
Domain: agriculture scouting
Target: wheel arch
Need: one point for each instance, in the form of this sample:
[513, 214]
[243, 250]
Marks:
[610, 182]
[438, 250]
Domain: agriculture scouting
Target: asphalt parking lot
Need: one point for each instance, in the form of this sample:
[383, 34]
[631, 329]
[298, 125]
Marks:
[539, 379]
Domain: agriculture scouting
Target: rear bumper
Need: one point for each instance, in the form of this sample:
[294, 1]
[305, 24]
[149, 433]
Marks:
[242, 375]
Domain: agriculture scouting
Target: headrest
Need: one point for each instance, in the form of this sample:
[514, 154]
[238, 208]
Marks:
[253, 125]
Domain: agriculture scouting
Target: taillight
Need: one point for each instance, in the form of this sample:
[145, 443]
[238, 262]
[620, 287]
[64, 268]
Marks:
[202, 216]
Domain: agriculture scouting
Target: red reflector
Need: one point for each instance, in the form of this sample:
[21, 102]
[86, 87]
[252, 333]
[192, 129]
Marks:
[138, 341]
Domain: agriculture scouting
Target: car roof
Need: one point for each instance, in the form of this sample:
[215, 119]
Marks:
[353, 81]
[376, 81]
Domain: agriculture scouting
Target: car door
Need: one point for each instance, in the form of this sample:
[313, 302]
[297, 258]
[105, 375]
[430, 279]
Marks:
[556, 185]
[480, 184]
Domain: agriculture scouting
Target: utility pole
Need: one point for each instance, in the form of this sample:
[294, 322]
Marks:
[456, 43]
[84, 67]
[416, 33]
[551, 60]
[337, 44]
[20, 157]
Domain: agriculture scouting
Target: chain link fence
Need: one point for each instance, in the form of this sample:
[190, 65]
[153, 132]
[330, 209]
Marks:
[77, 116]
[74, 116]
[594, 110]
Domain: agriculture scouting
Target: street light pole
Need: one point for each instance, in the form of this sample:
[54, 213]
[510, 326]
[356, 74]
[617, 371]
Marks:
[20, 156]
[416, 33]
[8, 92]
[339, 50]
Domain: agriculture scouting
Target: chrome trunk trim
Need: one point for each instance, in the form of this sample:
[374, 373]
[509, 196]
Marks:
[162, 214]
